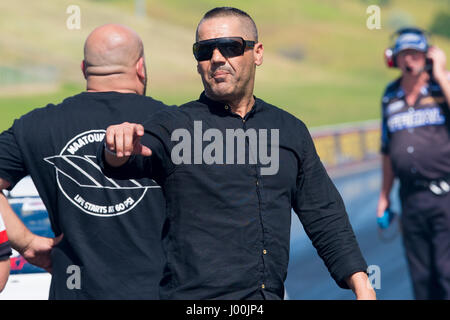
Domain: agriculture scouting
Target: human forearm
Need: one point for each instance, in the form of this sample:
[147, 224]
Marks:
[35, 249]
[440, 73]
[386, 185]
[387, 176]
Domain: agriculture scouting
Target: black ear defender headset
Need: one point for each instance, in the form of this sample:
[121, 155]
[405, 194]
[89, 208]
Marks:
[407, 38]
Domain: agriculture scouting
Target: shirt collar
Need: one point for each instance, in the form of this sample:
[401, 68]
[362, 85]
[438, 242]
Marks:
[424, 90]
[222, 108]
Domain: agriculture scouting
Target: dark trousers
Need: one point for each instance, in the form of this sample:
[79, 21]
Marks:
[426, 238]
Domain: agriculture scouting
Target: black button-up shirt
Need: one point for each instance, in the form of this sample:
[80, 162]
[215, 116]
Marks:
[228, 229]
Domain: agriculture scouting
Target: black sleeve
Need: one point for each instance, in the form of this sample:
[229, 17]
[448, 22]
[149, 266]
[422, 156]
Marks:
[137, 167]
[12, 167]
[321, 210]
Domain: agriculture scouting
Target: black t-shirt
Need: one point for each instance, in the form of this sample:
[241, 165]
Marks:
[112, 228]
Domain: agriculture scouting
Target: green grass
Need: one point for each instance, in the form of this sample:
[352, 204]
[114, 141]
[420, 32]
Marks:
[344, 103]
[339, 79]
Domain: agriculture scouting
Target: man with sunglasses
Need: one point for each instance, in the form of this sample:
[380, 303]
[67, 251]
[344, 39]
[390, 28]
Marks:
[416, 150]
[229, 215]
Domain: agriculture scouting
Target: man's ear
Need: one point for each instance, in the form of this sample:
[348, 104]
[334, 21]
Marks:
[83, 68]
[258, 52]
[140, 69]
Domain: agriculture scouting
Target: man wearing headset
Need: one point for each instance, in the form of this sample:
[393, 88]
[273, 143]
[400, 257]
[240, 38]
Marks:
[416, 149]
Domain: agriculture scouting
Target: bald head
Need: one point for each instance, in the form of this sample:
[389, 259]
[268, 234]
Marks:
[114, 59]
[111, 49]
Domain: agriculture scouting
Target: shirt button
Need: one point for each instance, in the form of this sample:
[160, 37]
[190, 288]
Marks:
[257, 182]
[264, 251]
[410, 149]
[226, 107]
[263, 286]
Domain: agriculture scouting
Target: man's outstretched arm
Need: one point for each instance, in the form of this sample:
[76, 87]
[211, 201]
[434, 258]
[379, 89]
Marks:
[122, 156]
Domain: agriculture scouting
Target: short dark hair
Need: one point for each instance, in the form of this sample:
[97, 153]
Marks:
[230, 11]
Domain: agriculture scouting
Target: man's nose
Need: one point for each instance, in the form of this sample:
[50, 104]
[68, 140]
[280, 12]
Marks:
[217, 56]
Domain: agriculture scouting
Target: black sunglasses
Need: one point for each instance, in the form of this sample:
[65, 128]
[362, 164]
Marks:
[228, 46]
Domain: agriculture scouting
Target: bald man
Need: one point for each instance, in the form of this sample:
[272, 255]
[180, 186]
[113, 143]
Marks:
[108, 231]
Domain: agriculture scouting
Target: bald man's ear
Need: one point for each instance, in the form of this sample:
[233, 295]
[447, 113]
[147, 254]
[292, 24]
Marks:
[140, 70]
[83, 68]
[258, 52]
